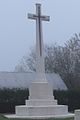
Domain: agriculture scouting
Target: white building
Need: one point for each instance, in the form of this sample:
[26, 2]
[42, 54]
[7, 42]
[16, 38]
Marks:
[23, 80]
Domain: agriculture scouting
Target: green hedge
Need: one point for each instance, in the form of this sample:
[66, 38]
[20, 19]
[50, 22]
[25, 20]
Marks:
[70, 98]
[9, 98]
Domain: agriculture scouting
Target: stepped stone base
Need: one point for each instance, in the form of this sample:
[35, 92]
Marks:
[41, 104]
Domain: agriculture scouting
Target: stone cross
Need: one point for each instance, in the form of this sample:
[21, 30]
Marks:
[41, 103]
[39, 39]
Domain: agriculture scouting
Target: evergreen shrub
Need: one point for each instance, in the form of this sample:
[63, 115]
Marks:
[70, 98]
[9, 98]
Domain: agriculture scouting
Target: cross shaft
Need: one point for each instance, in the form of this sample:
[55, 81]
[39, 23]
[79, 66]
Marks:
[40, 66]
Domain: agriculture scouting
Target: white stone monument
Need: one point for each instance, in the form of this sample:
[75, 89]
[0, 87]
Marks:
[41, 103]
[77, 114]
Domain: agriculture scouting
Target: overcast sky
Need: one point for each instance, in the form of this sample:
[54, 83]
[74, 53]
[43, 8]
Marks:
[17, 33]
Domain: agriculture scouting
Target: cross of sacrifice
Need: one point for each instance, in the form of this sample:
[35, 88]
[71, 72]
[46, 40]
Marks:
[39, 18]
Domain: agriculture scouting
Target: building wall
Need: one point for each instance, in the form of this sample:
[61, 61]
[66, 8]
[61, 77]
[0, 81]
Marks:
[23, 80]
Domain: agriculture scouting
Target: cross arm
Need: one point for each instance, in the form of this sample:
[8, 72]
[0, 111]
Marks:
[31, 16]
[45, 18]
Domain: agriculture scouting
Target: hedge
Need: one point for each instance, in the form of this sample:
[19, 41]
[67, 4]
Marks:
[9, 98]
[70, 98]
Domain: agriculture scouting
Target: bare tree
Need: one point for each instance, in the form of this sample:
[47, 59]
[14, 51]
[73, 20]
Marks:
[63, 60]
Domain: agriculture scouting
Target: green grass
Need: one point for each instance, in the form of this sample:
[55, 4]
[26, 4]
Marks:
[4, 118]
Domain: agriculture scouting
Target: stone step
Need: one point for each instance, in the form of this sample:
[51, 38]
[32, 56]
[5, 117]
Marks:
[41, 110]
[38, 102]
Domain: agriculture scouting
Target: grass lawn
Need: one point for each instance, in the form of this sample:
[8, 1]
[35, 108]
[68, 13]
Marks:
[3, 118]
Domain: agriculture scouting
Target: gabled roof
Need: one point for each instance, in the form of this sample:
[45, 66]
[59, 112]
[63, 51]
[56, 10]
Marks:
[23, 80]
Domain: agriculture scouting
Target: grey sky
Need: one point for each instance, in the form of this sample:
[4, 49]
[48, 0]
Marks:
[17, 33]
